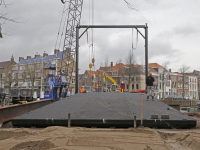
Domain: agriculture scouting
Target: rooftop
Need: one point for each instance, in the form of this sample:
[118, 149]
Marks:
[4, 64]
[155, 65]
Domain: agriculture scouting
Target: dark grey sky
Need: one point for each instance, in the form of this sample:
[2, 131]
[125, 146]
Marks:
[173, 31]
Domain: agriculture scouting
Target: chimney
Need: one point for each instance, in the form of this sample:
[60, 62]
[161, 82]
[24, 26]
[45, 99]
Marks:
[28, 57]
[45, 54]
[56, 51]
[12, 58]
[20, 58]
[170, 70]
[111, 64]
[36, 56]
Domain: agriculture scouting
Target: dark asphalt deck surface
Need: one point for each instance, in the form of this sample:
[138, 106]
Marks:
[112, 106]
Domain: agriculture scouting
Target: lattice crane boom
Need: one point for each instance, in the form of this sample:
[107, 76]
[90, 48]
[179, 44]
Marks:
[73, 19]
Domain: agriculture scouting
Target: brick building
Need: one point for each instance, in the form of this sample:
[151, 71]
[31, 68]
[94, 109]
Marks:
[28, 71]
[5, 68]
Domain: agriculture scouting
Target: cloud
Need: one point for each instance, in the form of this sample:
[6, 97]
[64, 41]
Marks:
[173, 29]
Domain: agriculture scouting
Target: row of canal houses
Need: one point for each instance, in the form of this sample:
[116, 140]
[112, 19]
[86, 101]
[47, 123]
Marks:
[166, 81]
[175, 83]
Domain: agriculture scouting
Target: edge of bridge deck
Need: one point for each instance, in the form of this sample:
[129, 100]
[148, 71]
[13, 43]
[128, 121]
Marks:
[105, 110]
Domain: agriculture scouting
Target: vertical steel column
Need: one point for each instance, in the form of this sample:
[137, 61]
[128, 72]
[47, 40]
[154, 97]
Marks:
[146, 52]
[77, 57]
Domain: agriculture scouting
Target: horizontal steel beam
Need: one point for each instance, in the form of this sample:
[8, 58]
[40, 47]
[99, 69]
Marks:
[111, 26]
[9, 112]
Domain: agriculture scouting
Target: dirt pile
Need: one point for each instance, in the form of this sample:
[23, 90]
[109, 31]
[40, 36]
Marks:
[34, 145]
[182, 140]
[9, 134]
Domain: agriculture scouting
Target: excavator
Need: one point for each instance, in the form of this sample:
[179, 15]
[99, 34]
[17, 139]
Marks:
[114, 86]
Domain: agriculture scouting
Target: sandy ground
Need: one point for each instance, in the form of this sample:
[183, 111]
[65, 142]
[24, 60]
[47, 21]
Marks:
[63, 138]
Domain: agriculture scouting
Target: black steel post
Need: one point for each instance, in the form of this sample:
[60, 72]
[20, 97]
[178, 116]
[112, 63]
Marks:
[146, 52]
[1, 81]
[77, 57]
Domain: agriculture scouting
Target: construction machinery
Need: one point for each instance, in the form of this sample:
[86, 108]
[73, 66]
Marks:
[114, 86]
[23, 94]
[55, 85]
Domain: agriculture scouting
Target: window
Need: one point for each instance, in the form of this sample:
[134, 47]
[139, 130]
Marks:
[114, 73]
[160, 85]
[168, 83]
[53, 61]
[19, 76]
[137, 78]
[132, 86]
[73, 81]
[127, 86]
[132, 78]
[93, 76]
[137, 86]
[3, 75]
[168, 77]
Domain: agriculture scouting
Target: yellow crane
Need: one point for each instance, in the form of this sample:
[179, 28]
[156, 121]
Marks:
[114, 85]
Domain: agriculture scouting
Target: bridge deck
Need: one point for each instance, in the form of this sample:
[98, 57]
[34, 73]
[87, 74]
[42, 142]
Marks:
[105, 110]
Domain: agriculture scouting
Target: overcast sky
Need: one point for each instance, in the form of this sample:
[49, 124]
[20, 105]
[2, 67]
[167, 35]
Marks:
[174, 31]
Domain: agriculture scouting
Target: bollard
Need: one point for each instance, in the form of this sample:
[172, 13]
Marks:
[135, 125]
[141, 109]
[69, 120]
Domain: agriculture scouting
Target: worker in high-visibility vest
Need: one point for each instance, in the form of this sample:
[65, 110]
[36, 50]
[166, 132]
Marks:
[122, 86]
[96, 87]
[82, 90]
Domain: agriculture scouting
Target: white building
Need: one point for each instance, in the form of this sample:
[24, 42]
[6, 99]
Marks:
[164, 80]
[193, 86]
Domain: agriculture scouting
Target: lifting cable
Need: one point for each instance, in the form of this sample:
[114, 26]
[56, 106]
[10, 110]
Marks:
[136, 40]
[60, 26]
[93, 45]
[63, 29]
[89, 38]
[90, 35]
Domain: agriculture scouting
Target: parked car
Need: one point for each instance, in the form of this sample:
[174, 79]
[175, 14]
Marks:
[188, 97]
[169, 97]
[178, 97]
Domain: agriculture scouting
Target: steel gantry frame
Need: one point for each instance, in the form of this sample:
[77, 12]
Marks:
[78, 27]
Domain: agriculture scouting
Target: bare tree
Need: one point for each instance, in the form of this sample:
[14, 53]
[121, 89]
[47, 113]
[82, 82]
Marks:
[130, 60]
[183, 70]
[11, 77]
[130, 6]
[30, 73]
[106, 61]
[119, 61]
[5, 16]
[164, 76]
